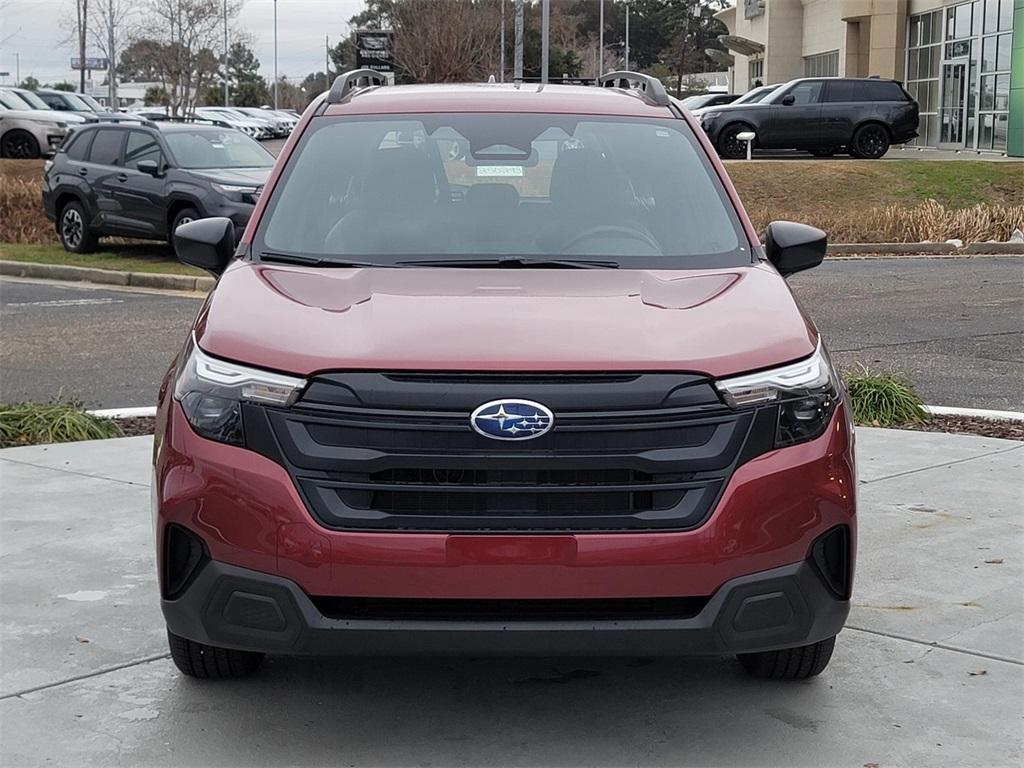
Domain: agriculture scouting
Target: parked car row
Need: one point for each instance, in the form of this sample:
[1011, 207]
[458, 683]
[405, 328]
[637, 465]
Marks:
[256, 122]
[823, 116]
[29, 127]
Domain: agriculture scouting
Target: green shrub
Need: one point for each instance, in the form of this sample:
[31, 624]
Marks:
[883, 399]
[56, 422]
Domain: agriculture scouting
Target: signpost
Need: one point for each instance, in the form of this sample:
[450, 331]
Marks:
[374, 50]
[91, 62]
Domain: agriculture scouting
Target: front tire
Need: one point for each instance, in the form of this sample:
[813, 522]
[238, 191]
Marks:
[184, 216]
[208, 662]
[870, 142]
[19, 145]
[73, 229]
[731, 147]
[797, 663]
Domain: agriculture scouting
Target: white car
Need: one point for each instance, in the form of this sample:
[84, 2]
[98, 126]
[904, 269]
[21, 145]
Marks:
[249, 126]
[27, 133]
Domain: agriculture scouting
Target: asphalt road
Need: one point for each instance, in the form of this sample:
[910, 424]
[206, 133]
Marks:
[955, 327]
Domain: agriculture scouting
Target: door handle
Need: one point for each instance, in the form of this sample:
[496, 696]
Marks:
[122, 177]
[83, 171]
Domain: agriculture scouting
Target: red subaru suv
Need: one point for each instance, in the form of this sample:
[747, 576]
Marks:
[502, 369]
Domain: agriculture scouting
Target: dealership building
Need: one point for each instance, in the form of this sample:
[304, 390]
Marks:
[962, 61]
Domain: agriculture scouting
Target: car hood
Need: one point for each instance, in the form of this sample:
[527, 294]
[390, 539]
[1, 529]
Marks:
[257, 177]
[43, 116]
[306, 320]
[731, 108]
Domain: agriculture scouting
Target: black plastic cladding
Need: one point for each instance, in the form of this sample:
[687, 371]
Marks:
[395, 451]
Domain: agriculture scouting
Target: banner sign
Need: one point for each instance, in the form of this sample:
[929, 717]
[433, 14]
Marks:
[374, 50]
[91, 62]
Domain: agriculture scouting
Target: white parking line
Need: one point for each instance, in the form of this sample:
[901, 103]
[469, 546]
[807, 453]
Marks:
[64, 303]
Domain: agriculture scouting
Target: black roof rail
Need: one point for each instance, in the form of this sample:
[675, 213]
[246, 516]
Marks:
[650, 86]
[355, 79]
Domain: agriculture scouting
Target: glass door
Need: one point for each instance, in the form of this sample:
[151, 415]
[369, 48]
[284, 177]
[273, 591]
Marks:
[953, 110]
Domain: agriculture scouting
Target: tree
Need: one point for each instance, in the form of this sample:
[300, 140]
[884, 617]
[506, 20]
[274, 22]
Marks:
[139, 62]
[445, 40]
[70, 87]
[184, 35]
[29, 84]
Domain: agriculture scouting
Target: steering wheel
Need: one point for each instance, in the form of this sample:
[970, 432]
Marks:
[611, 230]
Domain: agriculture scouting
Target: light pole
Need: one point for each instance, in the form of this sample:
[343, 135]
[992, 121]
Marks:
[226, 99]
[544, 34]
[600, 41]
[517, 65]
[501, 77]
[275, 54]
[626, 67]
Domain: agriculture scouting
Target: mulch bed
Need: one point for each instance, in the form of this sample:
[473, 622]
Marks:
[968, 425]
[140, 425]
[1007, 430]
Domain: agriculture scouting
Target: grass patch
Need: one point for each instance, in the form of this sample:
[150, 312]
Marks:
[864, 201]
[151, 257]
[883, 399]
[56, 422]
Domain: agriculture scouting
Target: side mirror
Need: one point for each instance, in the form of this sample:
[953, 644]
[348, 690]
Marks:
[788, 99]
[206, 243]
[152, 167]
[793, 247]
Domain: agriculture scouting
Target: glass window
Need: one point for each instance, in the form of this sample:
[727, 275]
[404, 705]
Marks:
[842, 90]
[999, 133]
[1002, 101]
[915, 31]
[992, 15]
[988, 54]
[963, 20]
[636, 191]
[936, 36]
[53, 101]
[1004, 51]
[141, 146]
[988, 93]
[217, 149]
[976, 15]
[1006, 15]
[106, 147]
[985, 136]
[79, 147]
[806, 92]
[31, 99]
[880, 90]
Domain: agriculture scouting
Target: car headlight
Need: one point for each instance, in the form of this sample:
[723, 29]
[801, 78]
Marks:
[238, 193]
[211, 393]
[707, 117]
[806, 394]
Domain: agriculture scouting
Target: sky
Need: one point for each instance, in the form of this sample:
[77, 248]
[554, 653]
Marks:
[33, 29]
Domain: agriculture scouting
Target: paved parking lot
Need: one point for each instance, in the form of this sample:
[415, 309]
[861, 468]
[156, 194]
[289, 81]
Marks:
[929, 672]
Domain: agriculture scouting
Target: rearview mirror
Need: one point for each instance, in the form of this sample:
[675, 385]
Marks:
[152, 167]
[793, 247]
[788, 99]
[206, 243]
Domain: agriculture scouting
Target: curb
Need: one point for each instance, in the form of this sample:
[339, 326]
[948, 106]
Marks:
[896, 248]
[184, 283]
[935, 410]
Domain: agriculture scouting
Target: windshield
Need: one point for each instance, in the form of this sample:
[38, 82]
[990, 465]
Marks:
[756, 95]
[90, 102]
[696, 102]
[9, 101]
[32, 100]
[216, 149]
[76, 102]
[387, 191]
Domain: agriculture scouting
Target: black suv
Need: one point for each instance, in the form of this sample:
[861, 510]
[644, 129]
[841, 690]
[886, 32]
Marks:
[144, 179]
[820, 115]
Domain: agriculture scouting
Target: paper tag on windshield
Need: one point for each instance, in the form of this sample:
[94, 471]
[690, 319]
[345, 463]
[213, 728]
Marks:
[499, 170]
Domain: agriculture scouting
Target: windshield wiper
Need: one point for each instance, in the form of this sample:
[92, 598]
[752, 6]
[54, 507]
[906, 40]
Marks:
[312, 261]
[515, 263]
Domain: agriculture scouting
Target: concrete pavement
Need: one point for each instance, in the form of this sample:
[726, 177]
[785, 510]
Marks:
[930, 671]
[954, 326]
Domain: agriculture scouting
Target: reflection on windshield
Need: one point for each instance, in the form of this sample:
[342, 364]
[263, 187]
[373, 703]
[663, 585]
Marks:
[217, 149]
[526, 185]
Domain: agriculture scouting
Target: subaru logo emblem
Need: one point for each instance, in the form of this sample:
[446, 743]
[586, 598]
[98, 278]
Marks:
[512, 420]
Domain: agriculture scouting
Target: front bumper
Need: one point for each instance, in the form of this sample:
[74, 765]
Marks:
[240, 608]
